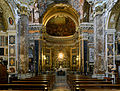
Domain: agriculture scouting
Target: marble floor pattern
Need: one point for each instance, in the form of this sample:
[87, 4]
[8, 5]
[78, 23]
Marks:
[61, 84]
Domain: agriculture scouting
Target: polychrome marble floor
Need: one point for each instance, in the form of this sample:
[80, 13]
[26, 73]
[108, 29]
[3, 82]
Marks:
[61, 89]
[61, 84]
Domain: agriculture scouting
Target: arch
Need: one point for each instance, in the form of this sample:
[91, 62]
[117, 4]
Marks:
[59, 10]
[7, 13]
[61, 14]
[113, 16]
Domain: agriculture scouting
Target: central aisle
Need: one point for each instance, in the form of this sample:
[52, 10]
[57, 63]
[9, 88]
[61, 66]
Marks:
[61, 83]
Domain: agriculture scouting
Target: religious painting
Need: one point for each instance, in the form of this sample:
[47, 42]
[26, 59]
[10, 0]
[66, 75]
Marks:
[110, 50]
[11, 22]
[110, 38]
[74, 59]
[12, 50]
[12, 61]
[11, 39]
[60, 26]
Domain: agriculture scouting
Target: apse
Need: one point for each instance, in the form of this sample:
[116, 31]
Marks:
[60, 26]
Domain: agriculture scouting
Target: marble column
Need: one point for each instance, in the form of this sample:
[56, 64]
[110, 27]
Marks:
[99, 39]
[99, 69]
[24, 44]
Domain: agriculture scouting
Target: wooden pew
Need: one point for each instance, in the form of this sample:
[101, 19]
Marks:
[42, 79]
[33, 82]
[48, 81]
[42, 87]
[29, 82]
[82, 87]
[88, 79]
[71, 79]
[73, 83]
[79, 82]
[93, 82]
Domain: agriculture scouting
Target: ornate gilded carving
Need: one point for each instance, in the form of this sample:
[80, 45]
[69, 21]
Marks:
[11, 39]
[12, 50]
[12, 61]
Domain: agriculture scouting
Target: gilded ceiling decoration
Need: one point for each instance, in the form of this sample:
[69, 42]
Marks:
[7, 12]
[1, 21]
[114, 16]
[61, 10]
[60, 26]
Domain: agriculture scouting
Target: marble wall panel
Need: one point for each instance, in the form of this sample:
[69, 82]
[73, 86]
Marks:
[91, 54]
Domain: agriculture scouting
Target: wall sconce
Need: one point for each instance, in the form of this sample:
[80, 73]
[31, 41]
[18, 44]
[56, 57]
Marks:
[77, 58]
[44, 57]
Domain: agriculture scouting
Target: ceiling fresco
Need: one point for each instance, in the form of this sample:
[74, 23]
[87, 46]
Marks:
[60, 26]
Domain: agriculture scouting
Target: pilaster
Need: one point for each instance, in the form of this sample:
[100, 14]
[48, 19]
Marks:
[12, 51]
[86, 29]
[110, 51]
